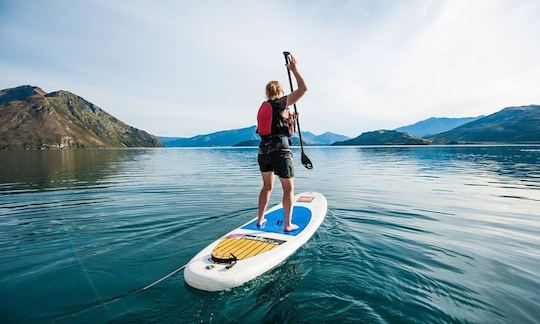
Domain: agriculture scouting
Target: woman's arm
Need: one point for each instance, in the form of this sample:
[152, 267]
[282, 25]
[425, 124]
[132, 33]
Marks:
[302, 88]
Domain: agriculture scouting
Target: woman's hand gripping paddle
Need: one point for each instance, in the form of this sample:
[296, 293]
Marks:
[305, 160]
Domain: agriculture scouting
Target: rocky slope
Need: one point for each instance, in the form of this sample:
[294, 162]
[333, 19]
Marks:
[30, 118]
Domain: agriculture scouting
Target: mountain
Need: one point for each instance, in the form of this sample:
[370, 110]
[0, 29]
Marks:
[384, 137]
[168, 141]
[30, 118]
[324, 139]
[510, 125]
[307, 137]
[221, 138]
[243, 137]
[435, 125]
[329, 138]
[295, 142]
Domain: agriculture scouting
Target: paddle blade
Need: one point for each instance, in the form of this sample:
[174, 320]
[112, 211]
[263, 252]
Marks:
[306, 161]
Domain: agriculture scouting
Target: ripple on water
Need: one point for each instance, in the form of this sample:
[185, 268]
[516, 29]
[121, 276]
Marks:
[413, 234]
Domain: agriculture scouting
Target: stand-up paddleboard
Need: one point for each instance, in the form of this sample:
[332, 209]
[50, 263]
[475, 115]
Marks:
[249, 251]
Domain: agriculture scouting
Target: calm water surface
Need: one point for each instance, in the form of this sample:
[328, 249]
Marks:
[413, 234]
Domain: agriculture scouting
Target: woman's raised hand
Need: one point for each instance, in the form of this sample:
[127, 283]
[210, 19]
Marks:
[292, 64]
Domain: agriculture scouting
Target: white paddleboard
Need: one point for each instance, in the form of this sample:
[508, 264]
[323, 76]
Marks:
[249, 251]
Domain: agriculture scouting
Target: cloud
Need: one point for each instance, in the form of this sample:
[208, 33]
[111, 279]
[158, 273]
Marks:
[192, 67]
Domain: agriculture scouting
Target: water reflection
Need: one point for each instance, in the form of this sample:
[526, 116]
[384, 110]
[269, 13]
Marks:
[39, 170]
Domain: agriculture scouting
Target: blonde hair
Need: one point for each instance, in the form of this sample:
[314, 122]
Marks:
[273, 89]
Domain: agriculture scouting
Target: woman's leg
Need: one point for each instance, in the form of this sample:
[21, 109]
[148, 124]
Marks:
[288, 194]
[264, 196]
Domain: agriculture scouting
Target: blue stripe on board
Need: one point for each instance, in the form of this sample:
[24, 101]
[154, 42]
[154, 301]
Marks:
[301, 217]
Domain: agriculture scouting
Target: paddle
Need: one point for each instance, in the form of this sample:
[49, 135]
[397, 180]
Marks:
[305, 160]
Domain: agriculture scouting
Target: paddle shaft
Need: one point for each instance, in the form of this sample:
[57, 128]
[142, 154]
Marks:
[286, 54]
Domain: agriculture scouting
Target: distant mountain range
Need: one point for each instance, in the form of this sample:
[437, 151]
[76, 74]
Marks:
[323, 139]
[243, 137]
[384, 137]
[30, 118]
[510, 125]
[221, 138]
[435, 125]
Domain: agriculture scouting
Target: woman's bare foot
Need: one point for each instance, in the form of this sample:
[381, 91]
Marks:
[261, 222]
[291, 228]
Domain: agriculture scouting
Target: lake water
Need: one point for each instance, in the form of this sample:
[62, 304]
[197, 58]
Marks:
[415, 234]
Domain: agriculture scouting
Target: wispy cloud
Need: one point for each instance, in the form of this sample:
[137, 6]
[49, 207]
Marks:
[181, 68]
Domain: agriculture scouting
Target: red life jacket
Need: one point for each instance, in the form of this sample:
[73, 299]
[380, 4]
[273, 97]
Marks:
[271, 122]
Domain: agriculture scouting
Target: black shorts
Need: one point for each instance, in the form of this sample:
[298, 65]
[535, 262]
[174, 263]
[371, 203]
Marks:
[279, 162]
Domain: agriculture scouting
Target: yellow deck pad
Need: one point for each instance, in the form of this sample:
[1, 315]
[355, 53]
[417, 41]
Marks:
[244, 246]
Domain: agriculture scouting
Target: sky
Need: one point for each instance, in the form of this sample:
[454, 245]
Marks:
[182, 68]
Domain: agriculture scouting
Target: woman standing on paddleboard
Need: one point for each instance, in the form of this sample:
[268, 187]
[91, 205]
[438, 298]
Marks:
[275, 125]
